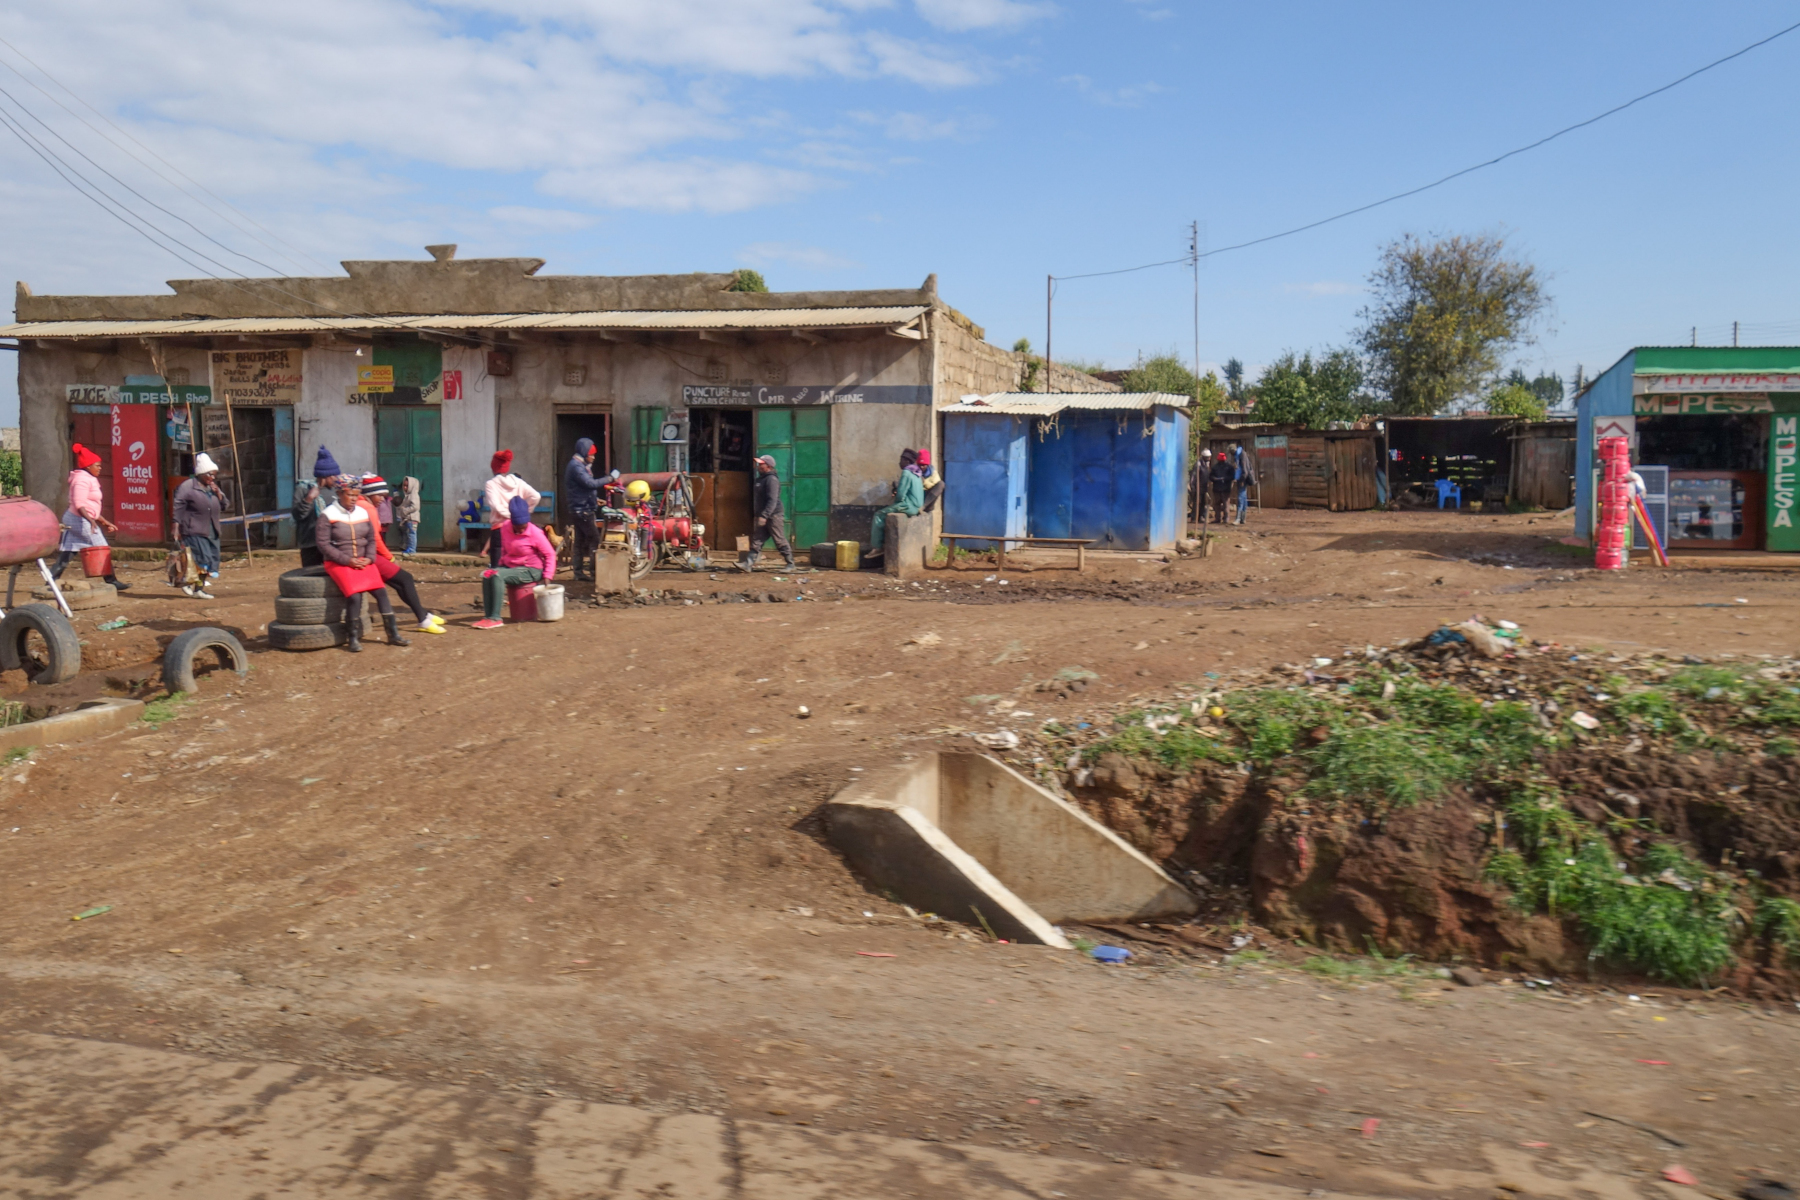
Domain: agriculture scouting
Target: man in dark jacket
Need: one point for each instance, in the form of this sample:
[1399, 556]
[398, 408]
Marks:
[198, 503]
[583, 493]
[771, 522]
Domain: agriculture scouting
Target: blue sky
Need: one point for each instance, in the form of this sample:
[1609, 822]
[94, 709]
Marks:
[867, 143]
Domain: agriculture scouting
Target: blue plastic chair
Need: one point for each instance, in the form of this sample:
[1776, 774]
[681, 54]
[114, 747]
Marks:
[1449, 489]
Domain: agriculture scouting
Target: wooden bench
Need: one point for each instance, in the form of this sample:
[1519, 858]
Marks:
[1079, 545]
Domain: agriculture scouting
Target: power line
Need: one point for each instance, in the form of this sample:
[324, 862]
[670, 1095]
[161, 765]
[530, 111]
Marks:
[1454, 174]
[149, 150]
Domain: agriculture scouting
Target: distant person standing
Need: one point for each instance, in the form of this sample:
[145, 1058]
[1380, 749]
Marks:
[1218, 479]
[1199, 483]
[198, 503]
[1243, 478]
[407, 514]
[499, 492]
[770, 520]
[581, 491]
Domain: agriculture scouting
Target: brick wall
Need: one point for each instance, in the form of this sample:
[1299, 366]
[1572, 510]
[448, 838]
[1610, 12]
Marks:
[967, 363]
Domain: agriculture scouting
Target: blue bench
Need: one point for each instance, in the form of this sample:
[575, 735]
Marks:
[546, 506]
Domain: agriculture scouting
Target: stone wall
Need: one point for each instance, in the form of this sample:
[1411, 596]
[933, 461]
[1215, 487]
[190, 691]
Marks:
[968, 364]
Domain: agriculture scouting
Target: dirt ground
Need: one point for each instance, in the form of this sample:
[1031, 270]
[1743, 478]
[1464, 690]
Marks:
[339, 863]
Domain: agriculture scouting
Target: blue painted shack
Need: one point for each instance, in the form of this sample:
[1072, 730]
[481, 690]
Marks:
[1107, 466]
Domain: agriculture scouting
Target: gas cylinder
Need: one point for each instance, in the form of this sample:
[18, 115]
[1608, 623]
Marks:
[28, 530]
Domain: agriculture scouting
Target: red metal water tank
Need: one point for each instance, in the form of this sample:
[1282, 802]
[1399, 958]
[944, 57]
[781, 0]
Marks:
[28, 530]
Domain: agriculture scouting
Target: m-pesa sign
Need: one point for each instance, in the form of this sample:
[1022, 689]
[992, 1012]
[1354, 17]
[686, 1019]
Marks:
[1784, 467]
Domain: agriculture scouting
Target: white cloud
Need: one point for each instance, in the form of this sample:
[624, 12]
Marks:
[980, 14]
[915, 127]
[1328, 287]
[553, 220]
[763, 253]
[1121, 97]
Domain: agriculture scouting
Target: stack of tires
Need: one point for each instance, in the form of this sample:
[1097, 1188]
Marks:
[309, 612]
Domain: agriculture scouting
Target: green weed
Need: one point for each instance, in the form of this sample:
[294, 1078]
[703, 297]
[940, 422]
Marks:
[1680, 931]
[1778, 919]
[1399, 765]
[1179, 747]
[164, 708]
[1782, 747]
[17, 754]
[1358, 970]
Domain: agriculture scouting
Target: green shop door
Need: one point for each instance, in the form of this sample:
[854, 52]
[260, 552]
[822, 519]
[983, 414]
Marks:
[799, 440]
[408, 442]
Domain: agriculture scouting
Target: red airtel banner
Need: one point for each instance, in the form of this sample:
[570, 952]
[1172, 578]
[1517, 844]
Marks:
[136, 480]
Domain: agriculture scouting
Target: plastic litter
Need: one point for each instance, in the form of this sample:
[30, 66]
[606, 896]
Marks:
[1585, 721]
[1681, 1175]
[115, 623]
[1370, 1126]
[92, 912]
[1109, 954]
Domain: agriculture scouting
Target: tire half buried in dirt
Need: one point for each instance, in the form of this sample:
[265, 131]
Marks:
[307, 637]
[296, 610]
[178, 659]
[38, 639]
[306, 583]
[80, 599]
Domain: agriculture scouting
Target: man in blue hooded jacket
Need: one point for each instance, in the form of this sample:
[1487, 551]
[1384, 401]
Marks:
[582, 491]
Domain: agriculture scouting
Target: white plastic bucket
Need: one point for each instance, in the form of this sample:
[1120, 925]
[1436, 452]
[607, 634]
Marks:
[549, 601]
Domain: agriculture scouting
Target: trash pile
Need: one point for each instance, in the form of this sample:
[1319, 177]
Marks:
[1471, 795]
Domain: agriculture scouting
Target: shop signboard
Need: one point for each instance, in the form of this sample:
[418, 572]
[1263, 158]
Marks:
[751, 396]
[92, 393]
[374, 379]
[257, 377]
[1759, 381]
[163, 393]
[136, 480]
[1784, 474]
[1714, 404]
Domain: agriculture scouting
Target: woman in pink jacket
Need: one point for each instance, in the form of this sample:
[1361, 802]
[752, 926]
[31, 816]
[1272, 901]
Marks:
[82, 523]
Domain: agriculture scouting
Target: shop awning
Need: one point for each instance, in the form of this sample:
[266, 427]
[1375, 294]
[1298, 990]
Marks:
[893, 318]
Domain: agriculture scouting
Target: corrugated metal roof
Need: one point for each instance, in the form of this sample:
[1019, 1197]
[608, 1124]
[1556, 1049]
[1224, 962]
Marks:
[1048, 404]
[672, 320]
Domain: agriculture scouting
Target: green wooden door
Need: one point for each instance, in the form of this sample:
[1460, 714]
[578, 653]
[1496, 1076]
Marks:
[647, 450]
[799, 440]
[409, 441]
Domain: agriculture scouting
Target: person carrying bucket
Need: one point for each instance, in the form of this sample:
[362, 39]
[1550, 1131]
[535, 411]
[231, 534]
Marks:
[526, 557]
[83, 526]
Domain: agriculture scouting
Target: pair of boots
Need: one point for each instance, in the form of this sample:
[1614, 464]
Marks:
[390, 620]
[62, 560]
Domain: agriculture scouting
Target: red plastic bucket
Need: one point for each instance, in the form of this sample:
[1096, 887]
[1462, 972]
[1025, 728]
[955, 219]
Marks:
[96, 561]
[521, 602]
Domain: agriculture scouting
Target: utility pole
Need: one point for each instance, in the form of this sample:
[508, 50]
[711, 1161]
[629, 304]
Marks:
[1734, 332]
[1694, 335]
[1194, 259]
[1049, 297]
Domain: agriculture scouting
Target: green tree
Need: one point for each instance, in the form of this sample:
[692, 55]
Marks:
[1164, 373]
[1299, 391]
[1444, 312]
[12, 474]
[1515, 400]
[746, 280]
[1234, 380]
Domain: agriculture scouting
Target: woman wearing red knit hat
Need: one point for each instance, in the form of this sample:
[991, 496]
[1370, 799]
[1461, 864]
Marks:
[499, 492]
[82, 523]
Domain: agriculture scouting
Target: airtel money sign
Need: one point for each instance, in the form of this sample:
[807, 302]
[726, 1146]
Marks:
[137, 486]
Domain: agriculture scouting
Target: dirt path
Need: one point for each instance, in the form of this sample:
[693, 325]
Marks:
[583, 858]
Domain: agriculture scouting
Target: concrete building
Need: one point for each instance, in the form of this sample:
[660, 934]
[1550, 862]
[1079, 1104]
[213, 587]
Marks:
[424, 368]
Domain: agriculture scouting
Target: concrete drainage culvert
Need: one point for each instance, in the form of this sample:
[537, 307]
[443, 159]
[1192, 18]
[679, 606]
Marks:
[968, 838]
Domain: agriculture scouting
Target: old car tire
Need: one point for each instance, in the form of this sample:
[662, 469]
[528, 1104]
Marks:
[306, 583]
[824, 554]
[324, 610]
[178, 659]
[307, 637]
[80, 599]
[59, 658]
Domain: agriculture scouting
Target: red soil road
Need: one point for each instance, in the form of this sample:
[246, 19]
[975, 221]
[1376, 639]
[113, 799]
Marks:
[572, 857]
